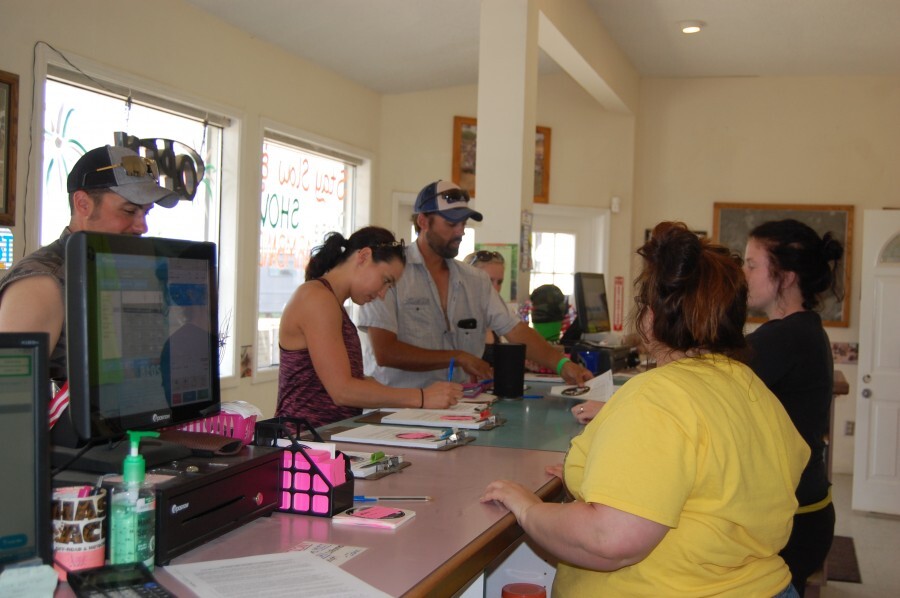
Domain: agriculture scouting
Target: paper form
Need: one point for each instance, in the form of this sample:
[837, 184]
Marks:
[271, 575]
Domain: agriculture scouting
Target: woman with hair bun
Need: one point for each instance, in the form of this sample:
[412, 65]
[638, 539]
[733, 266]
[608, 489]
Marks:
[321, 374]
[789, 268]
[684, 482]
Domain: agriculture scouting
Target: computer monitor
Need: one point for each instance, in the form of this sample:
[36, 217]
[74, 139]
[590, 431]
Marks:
[25, 532]
[591, 307]
[142, 333]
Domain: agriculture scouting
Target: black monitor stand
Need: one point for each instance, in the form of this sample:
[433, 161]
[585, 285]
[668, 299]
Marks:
[108, 457]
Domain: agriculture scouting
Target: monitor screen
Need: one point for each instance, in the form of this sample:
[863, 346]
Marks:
[590, 303]
[142, 328]
[25, 534]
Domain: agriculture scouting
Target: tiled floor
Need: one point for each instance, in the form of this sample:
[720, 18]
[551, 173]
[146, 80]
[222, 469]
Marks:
[877, 541]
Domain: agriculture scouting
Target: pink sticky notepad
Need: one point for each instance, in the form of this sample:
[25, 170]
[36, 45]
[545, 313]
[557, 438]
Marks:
[377, 513]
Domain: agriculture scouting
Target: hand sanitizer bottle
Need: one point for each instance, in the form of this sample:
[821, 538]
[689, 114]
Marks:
[132, 524]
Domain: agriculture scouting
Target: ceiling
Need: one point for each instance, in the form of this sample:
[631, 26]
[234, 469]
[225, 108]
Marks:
[400, 46]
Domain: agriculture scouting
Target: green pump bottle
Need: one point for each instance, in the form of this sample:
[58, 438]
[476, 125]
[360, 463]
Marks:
[132, 525]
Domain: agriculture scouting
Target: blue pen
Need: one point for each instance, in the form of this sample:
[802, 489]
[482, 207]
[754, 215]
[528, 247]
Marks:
[364, 499]
[450, 372]
[532, 397]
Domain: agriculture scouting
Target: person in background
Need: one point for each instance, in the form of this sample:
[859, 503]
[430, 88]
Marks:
[684, 484]
[548, 309]
[321, 376]
[111, 190]
[441, 310]
[491, 262]
[788, 268]
[494, 264]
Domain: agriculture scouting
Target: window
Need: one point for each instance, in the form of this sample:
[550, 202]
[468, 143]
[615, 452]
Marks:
[554, 261]
[81, 114]
[305, 195]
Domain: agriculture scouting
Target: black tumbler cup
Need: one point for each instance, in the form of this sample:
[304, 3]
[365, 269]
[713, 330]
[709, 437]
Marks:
[509, 370]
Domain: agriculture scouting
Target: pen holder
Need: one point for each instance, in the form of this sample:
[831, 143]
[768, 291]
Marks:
[311, 482]
[306, 487]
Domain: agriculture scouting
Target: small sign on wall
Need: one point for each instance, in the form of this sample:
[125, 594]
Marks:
[618, 303]
[6, 249]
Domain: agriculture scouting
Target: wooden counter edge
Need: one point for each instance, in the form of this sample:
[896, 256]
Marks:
[447, 579]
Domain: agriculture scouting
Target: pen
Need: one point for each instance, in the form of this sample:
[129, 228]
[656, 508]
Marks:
[387, 498]
[450, 371]
[531, 396]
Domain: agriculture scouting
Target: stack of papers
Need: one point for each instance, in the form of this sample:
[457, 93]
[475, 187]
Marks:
[424, 438]
[546, 378]
[597, 389]
[462, 415]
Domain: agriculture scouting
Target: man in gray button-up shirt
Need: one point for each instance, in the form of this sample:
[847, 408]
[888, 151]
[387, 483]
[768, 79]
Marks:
[441, 308]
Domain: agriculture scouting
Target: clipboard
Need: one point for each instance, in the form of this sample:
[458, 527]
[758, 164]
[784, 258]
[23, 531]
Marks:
[391, 464]
[388, 436]
[377, 417]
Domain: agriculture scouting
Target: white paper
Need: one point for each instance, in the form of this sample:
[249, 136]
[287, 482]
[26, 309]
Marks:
[336, 554]
[28, 581]
[394, 436]
[543, 378]
[271, 575]
[441, 417]
[599, 389]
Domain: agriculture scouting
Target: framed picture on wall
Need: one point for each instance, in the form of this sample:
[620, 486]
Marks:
[9, 114]
[465, 137]
[732, 223]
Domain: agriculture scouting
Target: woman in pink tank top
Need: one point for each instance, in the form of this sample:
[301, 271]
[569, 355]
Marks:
[321, 374]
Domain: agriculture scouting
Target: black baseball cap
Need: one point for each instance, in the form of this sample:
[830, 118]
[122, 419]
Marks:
[124, 172]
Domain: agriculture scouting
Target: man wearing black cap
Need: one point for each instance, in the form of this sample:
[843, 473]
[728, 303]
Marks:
[439, 310]
[111, 189]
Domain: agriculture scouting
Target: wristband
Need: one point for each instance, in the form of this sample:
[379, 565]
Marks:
[422, 391]
[559, 366]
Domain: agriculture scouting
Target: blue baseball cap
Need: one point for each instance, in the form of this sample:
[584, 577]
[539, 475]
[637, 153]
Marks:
[447, 199]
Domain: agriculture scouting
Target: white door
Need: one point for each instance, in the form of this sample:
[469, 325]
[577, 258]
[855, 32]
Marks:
[876, 468]
[590, 227]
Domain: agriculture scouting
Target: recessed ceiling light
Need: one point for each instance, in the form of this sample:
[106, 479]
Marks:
[691, 26]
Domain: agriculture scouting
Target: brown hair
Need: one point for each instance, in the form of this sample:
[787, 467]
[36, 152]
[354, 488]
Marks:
[695, 289]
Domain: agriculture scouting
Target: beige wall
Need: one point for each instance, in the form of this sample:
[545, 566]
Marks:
[798, 140]
[170, 43]
[591, 150]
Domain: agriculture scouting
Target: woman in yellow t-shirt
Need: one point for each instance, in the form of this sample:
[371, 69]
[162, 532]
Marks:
[684, 483]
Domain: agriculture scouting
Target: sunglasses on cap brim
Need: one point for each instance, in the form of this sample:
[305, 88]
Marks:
[454, 195]
[486, 256]
[134, 166]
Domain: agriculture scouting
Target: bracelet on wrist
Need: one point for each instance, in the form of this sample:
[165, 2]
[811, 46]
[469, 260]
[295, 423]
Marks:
[559, 366]
[422, 392]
